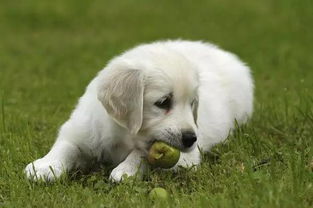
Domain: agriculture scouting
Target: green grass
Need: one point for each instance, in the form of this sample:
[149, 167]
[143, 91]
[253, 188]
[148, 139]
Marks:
[50, 50]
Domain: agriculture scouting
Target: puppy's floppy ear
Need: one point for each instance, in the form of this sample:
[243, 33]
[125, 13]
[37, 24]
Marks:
[121, 93]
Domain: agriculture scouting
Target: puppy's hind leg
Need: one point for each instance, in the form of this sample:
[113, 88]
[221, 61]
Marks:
[62, 157]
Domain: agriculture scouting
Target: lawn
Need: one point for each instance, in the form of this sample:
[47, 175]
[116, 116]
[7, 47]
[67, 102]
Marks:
[50, 50]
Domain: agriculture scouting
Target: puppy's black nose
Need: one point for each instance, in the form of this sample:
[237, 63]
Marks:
[188, 138]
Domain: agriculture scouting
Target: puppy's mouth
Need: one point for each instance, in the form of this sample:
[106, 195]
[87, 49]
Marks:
[176, 145]
[188, 149]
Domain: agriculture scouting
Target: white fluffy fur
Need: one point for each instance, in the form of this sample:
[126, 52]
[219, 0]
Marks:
[116, 119]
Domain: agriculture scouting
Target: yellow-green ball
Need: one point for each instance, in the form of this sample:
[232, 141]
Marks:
[158, 194]
[163, 155]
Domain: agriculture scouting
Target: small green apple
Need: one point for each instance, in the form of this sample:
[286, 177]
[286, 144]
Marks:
[158, 193]
[162, 155]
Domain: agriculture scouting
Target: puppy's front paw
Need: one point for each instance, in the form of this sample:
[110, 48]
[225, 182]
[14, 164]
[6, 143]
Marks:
[188, 160]
[43, 169]
[122, 171]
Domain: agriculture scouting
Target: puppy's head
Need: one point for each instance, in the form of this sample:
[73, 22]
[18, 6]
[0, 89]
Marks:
[156, 102]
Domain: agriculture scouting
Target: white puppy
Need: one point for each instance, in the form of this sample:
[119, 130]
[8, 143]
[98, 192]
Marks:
[185, 93]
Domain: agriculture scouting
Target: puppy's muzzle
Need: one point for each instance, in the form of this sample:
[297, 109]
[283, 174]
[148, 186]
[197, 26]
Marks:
[188, 138]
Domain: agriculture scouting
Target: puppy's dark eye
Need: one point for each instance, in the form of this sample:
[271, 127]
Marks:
[164, 103]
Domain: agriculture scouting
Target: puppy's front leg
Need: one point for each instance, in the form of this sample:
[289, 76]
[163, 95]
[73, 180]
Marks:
[60, 159]
[188, 159]
[131, 166]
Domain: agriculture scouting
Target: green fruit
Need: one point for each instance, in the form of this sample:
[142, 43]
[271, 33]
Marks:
[162, 155]
[158, 194]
